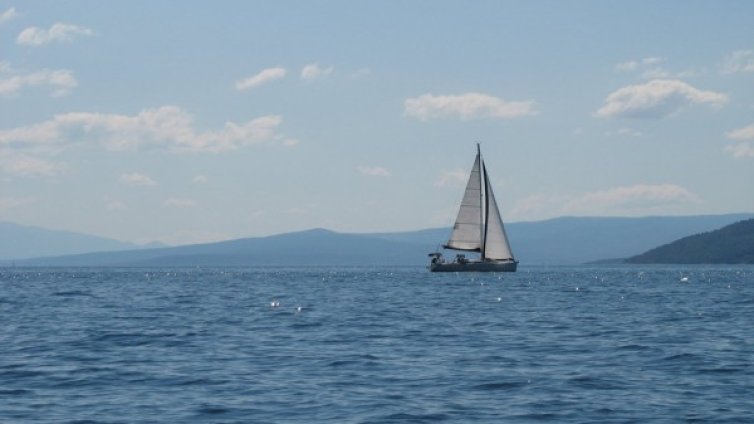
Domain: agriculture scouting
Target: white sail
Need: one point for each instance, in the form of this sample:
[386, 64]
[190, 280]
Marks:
[466, 233]
[496, 244]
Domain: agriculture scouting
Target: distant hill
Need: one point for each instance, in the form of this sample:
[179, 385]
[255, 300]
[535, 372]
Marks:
[577, 240]
[306, 248]
[568, 240]
[20, 241]
[732, 244]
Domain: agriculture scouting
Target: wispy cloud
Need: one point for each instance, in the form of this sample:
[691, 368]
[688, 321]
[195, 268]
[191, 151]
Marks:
[8, 15]
[59, 32]
[452, 178]
[136, 179]
[363, 72]
[745, 133]
[263, 77]
[23, 165]
[313, 71]
[15, 202]
[626, 66]
[738, 61]
[630, 197]
[199, 179]
[165, 126]
[179, 203]
[625, 132]
[743, 148]
[61, 81]
[115, 205]
[633, 65]
[656, 99]
[622, 200]
[466, 106]
[650, 68]
[374, 171]
[290, 142]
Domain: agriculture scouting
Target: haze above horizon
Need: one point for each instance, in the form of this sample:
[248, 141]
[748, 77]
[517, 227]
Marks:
[194, 122]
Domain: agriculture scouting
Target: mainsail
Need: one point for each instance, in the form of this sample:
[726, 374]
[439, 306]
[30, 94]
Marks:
[466, 233]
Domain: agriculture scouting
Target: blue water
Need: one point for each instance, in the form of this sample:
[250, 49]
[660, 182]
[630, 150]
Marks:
[570, 344]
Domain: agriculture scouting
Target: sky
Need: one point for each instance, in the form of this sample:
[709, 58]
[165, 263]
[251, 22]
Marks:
[188, 122]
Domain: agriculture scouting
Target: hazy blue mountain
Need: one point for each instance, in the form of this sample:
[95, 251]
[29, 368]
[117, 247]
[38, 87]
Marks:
[20, 241]
[575, 240]
[567, 240]
[732, 244]
[311, 247]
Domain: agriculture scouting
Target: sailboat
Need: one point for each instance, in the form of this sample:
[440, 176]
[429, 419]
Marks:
[478, 228]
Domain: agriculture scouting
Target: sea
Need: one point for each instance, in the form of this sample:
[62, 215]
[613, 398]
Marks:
[580, 344]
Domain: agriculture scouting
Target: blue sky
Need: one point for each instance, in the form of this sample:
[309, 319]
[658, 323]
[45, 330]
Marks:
[189, 122]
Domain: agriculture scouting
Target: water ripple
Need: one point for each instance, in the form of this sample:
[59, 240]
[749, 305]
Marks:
[376, 345]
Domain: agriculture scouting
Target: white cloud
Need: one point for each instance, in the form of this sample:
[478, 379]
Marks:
[42, 133]
[166, 126]
[650, 68]
[738, 61]
[262, 77]
[745, 133]
[8, 15]
[741, 150]
[313, 71]
[466, 106]
[61, 81]
[23, 165]
[630, 197]
[136, 179]
[374, 171]
[656, 99]
[623, 200]
[179, 203]
[199, 179]
[290, 142]
[452, 178]
[59, 32]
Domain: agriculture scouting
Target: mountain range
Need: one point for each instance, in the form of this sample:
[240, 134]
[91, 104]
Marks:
[22, 241]
[558, 241]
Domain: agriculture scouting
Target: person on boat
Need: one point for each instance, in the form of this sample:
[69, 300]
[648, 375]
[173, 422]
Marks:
[437, 258]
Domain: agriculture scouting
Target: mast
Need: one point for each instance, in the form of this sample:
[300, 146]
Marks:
[482, 223]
